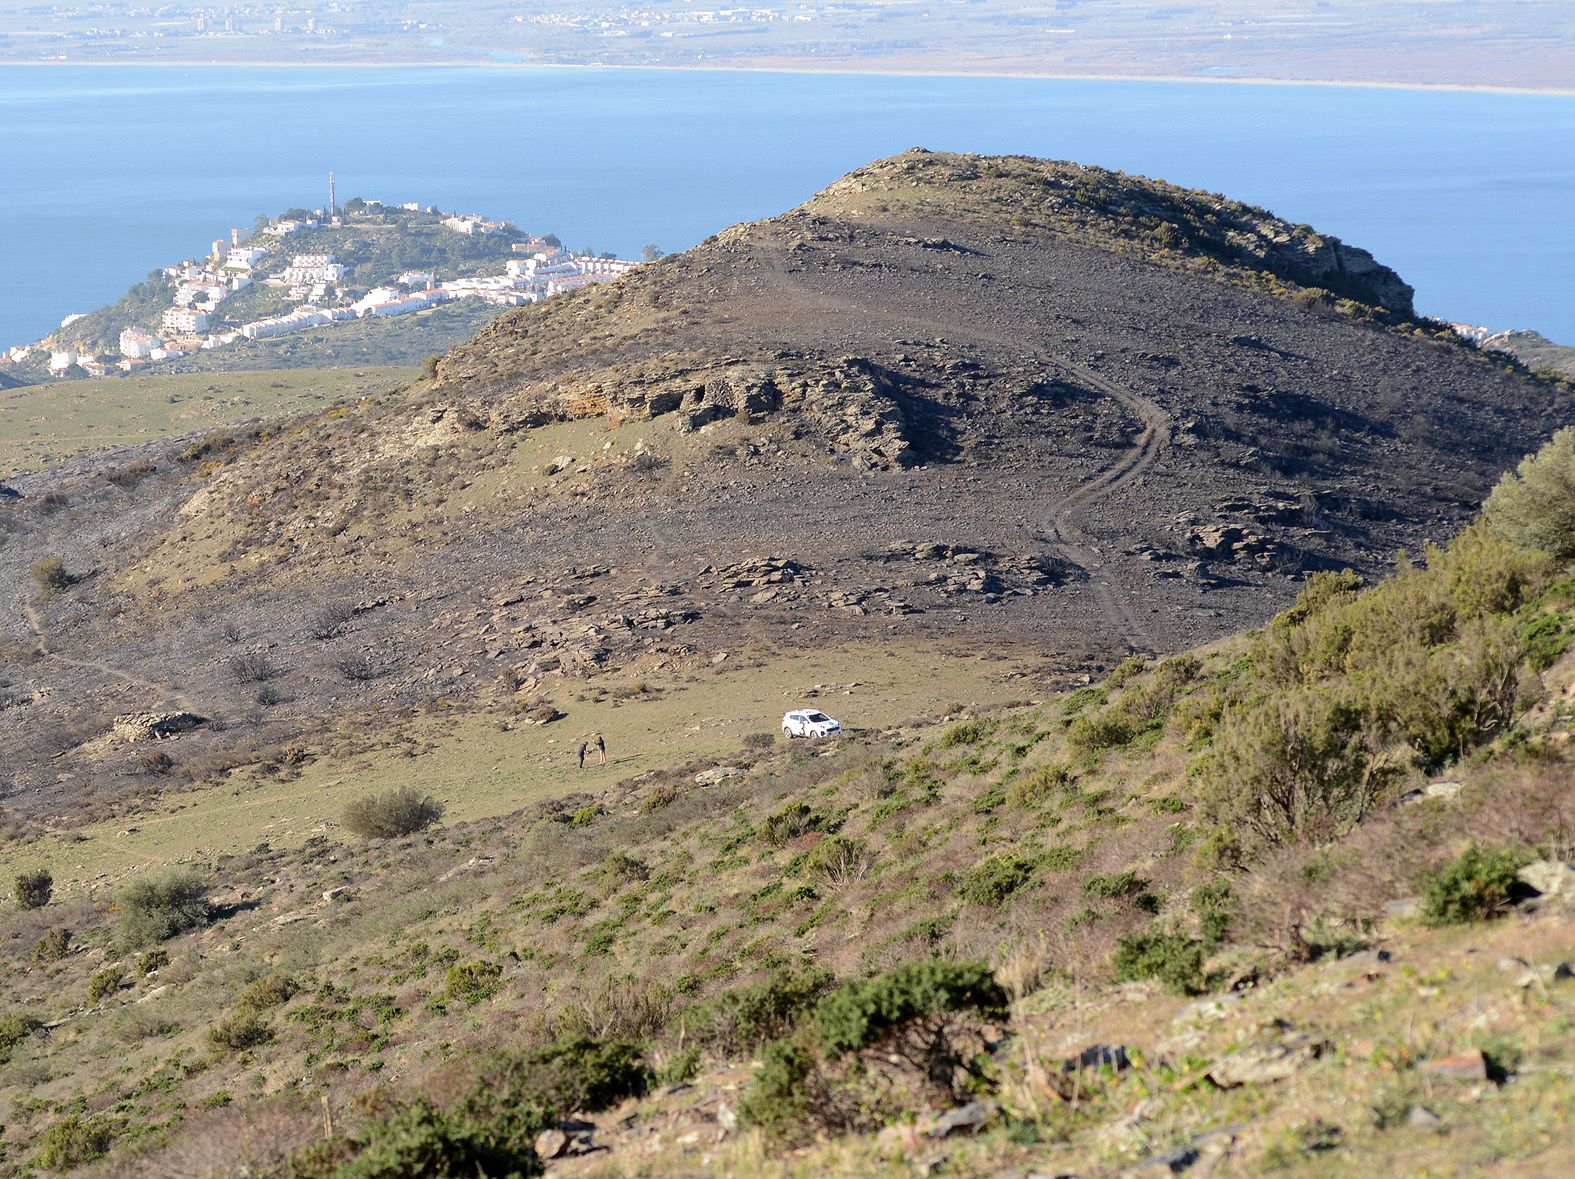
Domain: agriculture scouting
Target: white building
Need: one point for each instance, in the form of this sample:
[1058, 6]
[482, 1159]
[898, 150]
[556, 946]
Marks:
[417, 280]
[185, 320]
[136, 344]
[306, 269]
[282, 325]
[61, 360]
[244, 257]
[402, 304]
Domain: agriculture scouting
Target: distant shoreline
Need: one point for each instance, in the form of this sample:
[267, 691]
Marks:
[895, 72]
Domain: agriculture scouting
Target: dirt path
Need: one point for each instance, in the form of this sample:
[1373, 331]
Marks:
[165, 692]
[1073, 544]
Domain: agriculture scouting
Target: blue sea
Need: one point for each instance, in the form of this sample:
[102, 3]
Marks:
[106, 173]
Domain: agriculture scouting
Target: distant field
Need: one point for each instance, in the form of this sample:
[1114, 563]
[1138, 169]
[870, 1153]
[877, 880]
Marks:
[44, 424]
[481, 766]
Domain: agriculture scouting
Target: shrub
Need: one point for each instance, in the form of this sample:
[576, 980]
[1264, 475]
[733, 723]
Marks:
[576, 1073]
[1534, 505]
[1173, 958]
[839, 860]
[73, 1141]
[969, 732]
[1038, 784]
[402, 810]
[253, 668]
[1478, 884]
[155, 761]
[760, 740]
[1096, 731]
[356, 669]
[777, 1099]
[50, 575]
[156, 908]
[744, 1019]
[787, 824]
[271, 990]
[105, 983]
[240, 1032]
[51, 945]
[859, 1013]
[620, 868]
[153, 961]
[330, 621]
[1216, 908]
[33, 889]
[992, 881]
[471, 982]
[477, 1138]
[1117, 884]
[15, 1026]
[586, 815]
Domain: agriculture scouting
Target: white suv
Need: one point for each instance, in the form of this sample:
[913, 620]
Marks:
[809, 722]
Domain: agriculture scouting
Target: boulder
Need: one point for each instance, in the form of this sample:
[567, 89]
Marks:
[717, 775]
[1552, 878]
[1266, 1063]
[1458, 1066]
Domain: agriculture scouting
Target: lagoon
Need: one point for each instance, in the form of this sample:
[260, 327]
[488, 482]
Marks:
[107, 172]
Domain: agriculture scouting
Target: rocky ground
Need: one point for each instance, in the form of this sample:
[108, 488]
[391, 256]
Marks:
[953, 403]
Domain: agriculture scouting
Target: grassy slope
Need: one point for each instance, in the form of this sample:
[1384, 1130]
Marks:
[573, 935]
[43, 424]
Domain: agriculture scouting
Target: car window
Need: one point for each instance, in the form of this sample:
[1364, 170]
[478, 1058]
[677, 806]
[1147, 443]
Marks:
[816, 717]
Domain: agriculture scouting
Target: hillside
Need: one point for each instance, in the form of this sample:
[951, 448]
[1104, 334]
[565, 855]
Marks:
[1088, 936]
[1155, 838]
[966, 402]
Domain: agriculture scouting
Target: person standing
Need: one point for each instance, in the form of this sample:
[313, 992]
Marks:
[601, 750]
[583, 748]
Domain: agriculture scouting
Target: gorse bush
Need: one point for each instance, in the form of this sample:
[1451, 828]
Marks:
[156, 908]
[790, 822]
[1173, 958]
[992, 881]
[15, 1026]
[240, 1032]
[742, 1020]
[271, 990]
[1349, 687]
[1478, 884]
[73, 1141]
[52, 945]
[33, 889]
[402, 810]
[471, 982]
[105, 983]
[1534, 505]
[858, 1014]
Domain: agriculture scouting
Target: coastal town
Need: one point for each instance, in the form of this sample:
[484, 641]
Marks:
[283, 277]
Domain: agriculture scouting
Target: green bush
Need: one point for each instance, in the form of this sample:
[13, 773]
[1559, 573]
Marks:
[15, 1026]
[52, 945]
[1094, 732]
[858, 1013]
[1216, 908]
[240, 1032]
[479, 1137]
[777, 1098]
[620, 868]
[156, 908]
[73, 1141]
[153, 961]
[33, 889]
[1534, 505]
[271, 990]
[471, 982]
[1038, 784]
[587, 815]
[403, 810]
[1478, 884]
[578, 1072]
[838, 860]
[787, 824]
[50, 575]
[742, 1020]
[968, 732]
[1173, 958]
[992, 881]
[105, 983]
[1117, 884]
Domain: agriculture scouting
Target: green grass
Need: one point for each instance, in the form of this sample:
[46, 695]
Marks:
[477, 770]
[44, 424]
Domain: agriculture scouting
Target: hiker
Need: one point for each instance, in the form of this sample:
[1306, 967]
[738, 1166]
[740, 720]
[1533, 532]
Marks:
[583, 748]
[601, 750]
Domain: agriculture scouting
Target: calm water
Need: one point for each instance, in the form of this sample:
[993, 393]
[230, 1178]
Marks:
[106, 173]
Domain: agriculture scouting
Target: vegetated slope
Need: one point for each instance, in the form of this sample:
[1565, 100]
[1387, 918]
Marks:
[1284, 904]
[1534, 350]
[992, 400]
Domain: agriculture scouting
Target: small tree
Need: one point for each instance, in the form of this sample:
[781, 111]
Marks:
[1534, 505]
[403, 810]
[156, 908]
[33, 889]
[650, 253]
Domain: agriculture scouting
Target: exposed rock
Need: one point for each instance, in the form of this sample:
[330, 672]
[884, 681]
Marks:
[1266, 1063]
[1552, 878]
[717, 775]
[1459, 1066]
[972, 1117]
[1113, 1057]
[154, 726]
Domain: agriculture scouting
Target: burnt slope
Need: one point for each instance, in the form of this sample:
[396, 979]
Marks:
[985, 400]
